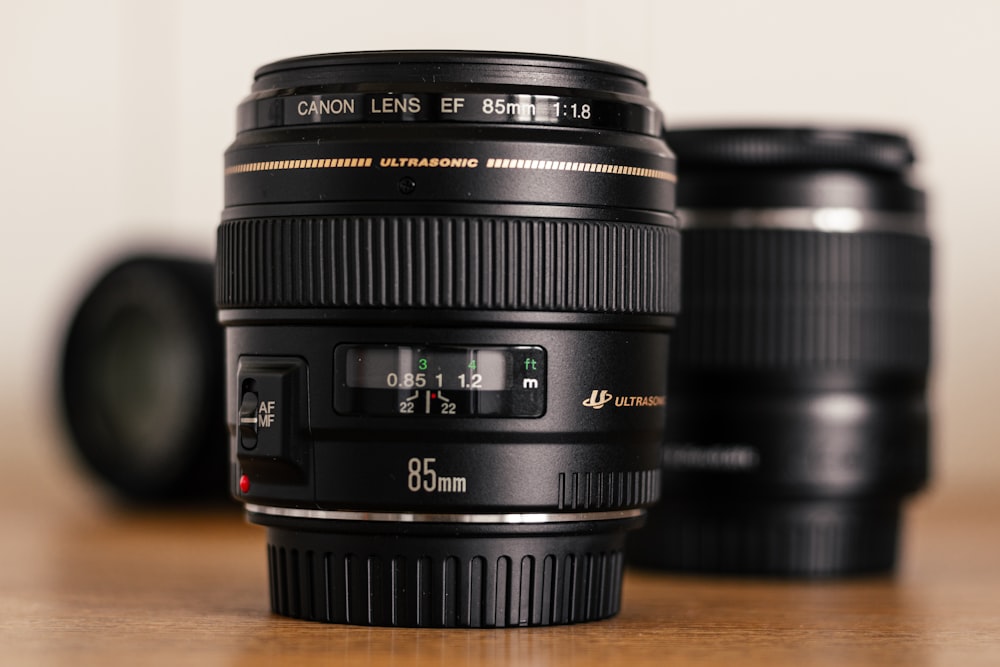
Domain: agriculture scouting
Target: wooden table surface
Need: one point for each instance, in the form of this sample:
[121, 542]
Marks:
[83, 581]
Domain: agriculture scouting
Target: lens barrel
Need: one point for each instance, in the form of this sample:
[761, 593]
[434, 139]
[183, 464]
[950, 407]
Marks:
[798, 417]
[447, 281]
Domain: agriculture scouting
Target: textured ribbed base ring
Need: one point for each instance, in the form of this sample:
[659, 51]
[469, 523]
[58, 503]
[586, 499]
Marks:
[409, 576]
[806, 538]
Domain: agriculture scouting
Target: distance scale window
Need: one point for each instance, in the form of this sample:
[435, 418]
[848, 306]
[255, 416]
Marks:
[439, 381]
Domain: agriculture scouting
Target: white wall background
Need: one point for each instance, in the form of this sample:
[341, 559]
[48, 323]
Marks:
[114, 116]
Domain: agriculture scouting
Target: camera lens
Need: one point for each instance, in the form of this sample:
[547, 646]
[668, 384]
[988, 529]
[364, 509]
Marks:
[141, 381]
[447, 281]
[798, 418]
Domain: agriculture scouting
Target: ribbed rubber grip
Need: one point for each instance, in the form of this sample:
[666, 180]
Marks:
[600, 490]
[776, 299]
[471, 582]
[462, 263]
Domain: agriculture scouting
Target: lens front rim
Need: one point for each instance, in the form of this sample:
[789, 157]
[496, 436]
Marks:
[416, 63]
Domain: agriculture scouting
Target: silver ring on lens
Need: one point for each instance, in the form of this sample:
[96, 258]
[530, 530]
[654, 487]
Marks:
[414, 517]
[832, 219]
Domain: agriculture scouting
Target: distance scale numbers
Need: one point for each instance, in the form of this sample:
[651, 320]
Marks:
[440, 381]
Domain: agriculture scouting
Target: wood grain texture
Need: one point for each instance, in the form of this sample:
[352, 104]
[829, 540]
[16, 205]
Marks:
[83, 581]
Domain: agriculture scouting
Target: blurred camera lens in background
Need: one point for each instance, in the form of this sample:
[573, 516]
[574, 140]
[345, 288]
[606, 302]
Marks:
[798, 418]
[141, 384]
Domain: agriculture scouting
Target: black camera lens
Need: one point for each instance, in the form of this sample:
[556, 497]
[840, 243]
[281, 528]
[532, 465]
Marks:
[141, 381]
[447, 281]
[798, 418]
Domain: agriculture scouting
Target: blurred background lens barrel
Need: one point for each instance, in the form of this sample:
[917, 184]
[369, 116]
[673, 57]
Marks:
[141, 385]
[798, 419]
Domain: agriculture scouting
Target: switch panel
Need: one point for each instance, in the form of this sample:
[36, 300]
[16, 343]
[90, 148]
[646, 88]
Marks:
[272, 424]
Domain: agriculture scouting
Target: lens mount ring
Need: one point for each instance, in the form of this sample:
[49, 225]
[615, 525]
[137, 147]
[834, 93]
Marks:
[516, 518]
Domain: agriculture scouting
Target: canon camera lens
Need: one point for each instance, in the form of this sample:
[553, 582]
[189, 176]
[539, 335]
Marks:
[798, 418]
[447, 281]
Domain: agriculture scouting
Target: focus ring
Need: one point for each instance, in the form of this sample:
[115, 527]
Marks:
[449, 262]
[765, 299]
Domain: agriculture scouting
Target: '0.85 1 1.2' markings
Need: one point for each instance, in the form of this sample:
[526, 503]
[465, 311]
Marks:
[434, 401]
[419, 380]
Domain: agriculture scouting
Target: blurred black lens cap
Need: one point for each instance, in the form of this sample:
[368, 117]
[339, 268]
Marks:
[141, 383]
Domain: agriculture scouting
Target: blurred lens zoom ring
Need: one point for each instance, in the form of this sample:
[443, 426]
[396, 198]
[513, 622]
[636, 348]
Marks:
[818, 541]
[445, 592]
[439, 262]
[765, 299]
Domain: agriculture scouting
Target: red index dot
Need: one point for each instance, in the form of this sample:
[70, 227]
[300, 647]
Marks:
[244, 484]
